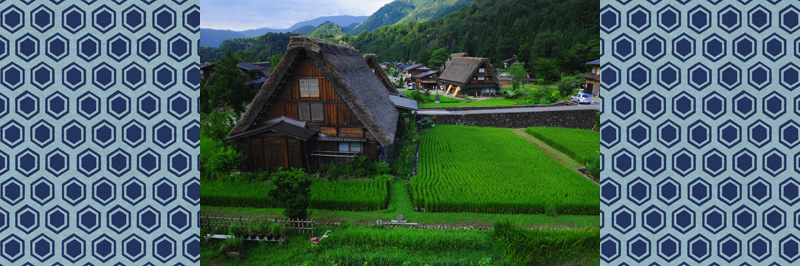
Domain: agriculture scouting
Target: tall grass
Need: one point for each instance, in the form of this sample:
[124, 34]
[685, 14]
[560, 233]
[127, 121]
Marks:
[522, 246]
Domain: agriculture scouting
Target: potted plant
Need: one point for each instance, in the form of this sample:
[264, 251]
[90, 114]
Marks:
[262, 229]
[251, 231]
[234, 230]
[232, 247]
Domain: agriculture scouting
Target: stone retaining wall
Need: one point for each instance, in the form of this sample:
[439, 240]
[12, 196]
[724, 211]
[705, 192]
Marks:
[583, 119]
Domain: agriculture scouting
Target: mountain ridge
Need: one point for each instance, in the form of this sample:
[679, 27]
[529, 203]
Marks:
[215, 37]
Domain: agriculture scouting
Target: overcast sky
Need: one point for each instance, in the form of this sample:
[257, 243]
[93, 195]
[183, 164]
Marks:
[278, 14]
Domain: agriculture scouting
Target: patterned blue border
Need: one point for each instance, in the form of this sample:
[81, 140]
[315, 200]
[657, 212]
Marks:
[700, 132]
[99, 132]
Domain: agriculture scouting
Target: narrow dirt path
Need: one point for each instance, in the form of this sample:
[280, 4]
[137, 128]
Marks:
[552, 152]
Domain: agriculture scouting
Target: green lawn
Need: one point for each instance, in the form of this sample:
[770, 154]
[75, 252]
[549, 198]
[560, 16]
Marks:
[488, 102]
[582, 145]
[481, 169]
[432, 98]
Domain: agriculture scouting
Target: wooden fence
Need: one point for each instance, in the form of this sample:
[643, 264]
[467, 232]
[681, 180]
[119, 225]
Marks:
[301, 226]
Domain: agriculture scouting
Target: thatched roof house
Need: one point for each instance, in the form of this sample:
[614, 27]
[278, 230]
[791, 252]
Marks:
[473, 75]
[372, 62]
[332, 91]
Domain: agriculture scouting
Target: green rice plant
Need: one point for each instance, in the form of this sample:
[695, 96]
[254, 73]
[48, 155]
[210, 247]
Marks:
[522, 246]
[492, 170]
[353, 195]
[582, 145]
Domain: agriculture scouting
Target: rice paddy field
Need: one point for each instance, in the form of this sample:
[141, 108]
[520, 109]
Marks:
[507, 244]
[492, 170]
[582, 145]
[353, 195]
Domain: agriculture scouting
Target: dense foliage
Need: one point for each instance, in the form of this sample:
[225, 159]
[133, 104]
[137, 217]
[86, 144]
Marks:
[474, 169]
[249, 49]
[582, 145]
[227, 88]
[564, 33]
[355, 195]
[305, 30]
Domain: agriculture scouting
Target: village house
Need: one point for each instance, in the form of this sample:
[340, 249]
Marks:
[257, 72]
[510, 61]
[322, 103]
[593, 79]
[426, 80]
[472, 76]
[399, 100]
[415, 69]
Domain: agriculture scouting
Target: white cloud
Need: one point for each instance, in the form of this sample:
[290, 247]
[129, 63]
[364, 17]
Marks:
[277, 14]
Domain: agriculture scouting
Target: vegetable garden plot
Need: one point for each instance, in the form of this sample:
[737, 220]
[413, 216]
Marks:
[352, 195]
[474, 169]
[582, 145]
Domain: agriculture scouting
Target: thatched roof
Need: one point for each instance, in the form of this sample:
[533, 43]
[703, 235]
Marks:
[461, 69]
[350, 77]
[372, 61]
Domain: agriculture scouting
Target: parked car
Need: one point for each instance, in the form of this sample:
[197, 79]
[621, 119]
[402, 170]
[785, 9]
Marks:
[582, 98]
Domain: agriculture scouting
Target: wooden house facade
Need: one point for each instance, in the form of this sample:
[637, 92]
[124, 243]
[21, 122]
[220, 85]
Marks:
[472, 76]
[593, 79]
[322, 103]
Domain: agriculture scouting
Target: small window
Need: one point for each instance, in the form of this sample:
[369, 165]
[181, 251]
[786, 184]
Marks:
[303, 111]
[481, 78]
[350, 146]
[309, 88]
[594, 70]
[482, 70]
[355, 146]
[310, 112]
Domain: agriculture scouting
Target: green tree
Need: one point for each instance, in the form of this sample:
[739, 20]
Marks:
[424, 56]
[274, 60]
[518, 74]
[292, 190]
[546, 69]
[438, 57]
[228, 87]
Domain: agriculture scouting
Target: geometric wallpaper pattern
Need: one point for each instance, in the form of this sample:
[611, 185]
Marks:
[99, 132]
[700, 132]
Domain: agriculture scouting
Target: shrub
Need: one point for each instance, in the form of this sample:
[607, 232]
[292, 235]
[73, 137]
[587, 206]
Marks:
[541, 96]
[218, 161]
[217, 124]
[292, 188]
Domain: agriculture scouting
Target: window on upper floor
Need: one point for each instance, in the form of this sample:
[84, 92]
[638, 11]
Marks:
[482, 70]
[309, 87]
[481, 78]
[310, 112]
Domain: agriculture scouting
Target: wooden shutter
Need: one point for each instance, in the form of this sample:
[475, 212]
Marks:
[316, 112]
[304, 112]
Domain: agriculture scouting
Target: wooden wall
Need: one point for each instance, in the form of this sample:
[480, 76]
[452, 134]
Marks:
[269, 151]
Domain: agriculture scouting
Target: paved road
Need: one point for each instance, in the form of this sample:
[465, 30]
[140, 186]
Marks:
[513, 110]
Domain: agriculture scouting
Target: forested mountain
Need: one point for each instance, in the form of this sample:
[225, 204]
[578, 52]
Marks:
[559, 36]
[214, 38]
[327, 30]
[305, 30]
[400, 11]
[389, 14]
[564, 33]
[249, 49]
[433, 9]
